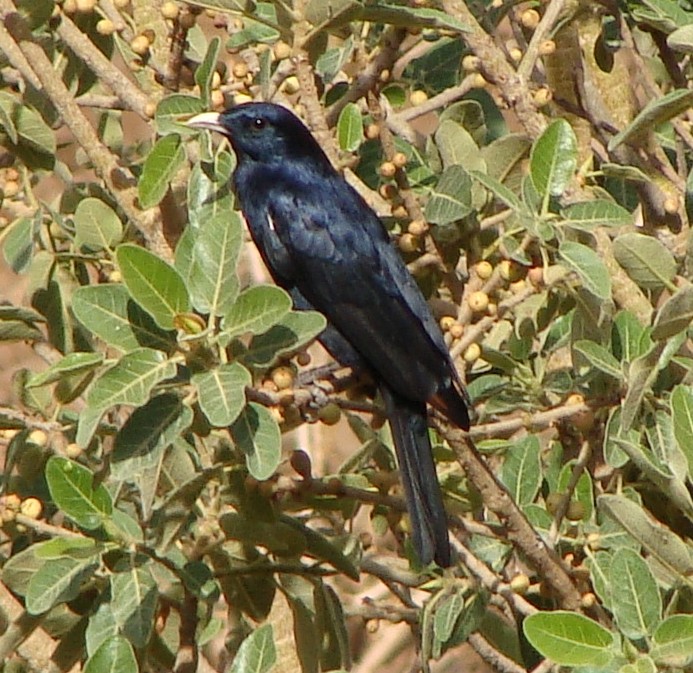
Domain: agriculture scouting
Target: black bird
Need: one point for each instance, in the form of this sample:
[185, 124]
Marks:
[322, 242]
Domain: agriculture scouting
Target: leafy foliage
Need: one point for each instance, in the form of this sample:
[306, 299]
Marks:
[144, 486]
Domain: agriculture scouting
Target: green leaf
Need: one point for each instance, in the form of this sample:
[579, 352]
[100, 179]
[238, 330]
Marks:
[57, 581]
[645, 260]
[599, 565]
[635, 600]
[588, 215]
[656, 112]
[101, 627]
[589, 266]
[569, 639]
[153, 284]
[110, 314]
[446, 615]
[673, 642]
[97, 227]
[256, 433]
[675, 315]
[18, 246]
[553, 159]
[71, 365]
[666, 546]
[173, 110]
[257, 653]
[456, 146]
[140, 443]
[205, 71]
[521, 471]
[452, 197]
[159, 168]
[682, 413]
[350, 128]
[209, 193]
[627, 337]
[72, 489]
[221, 392]
[130, 380]
[499, 190]
[134, 596]
[291, 333]
[115, 655]
[212, 278]
[600, 357]
[26, 126]
[256, 310]
[330, 63]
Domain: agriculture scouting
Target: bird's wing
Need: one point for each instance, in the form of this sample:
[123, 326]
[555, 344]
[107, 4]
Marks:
[347, 268]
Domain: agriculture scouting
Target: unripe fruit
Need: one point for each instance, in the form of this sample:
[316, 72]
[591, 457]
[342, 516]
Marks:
[240, 69]
[530, 19]
[291, 85]
[492, 309]
[300, 462]
[69, 7]
[372, 625]
[283, 378]
[281, 50]
[484, 270]
[536, 276]
[518, 286]
[510, 270]
[121, 4]
[384, 75]
[31, 508]
[85, 6]
[400, 212]
[594, 541]
[418, 97]
[574, 398]
[553, 501]
[478, 81]
[12, 501]
[217, 99]
[446, 322]
[239, 98]
[478, 301]
[519, 584]
[588, 600]
[372, 131]
[388, 192]
[303, 358]
[471, 63]
[186, 20]
[472, 354]
[140, 45]
[150, 35]
[547, 47]
[170, 10]
[105, 27]
[584, 420]
[456, 330]
[671, 205]
[150, 110]
[38, 437]
[515, 54]
[399, 159]
[115, 276]
[330, 414]
[408, 243]
[575, 511]
[387, 169]
[216, 80]
[73, 450]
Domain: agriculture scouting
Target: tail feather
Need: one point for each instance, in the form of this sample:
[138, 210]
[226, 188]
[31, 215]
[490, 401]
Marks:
[409, 424]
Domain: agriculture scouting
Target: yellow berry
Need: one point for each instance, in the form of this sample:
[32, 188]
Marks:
[10, 189]
[400, 212]
[69, 7]
[547, 47]
[530, 18]
[510, 270]
[478, 301]
[518, 286]
[519, 584]
[372, 625]
[384, 75]
[31, 507]
[12, 501]
[170, 10]
[85, 6]
[240, 69]
[140, 45]
[105, 27]
[387, 169]
[330, 413]
[115, 276]
[594, 541]
[38, 437]
[456, 330]
[478, 81]
[216, 80]
[484, 270]
[217, 99]
[240, 97]
[73, 450]
[472, 354]
[588, 600]
[281, 50]
[418, 97]
[574, 398]
[542, 97]
[408, 243]
[471, 63]
[536, 276]
[283, 378]
[399, 159]
[492, 309]
[417, 227]
[671, 205]
[291, 85]
[515, 54]
[372, 131]
[446, 322]
[121, 4]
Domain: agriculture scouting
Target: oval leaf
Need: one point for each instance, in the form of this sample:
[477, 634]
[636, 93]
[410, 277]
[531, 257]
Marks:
[553, 159]
[350, 128]
[160, 166]
[221, 392]
[645, 260]
[114, 655]
[588, 265]
[97, 226]
[256, 433]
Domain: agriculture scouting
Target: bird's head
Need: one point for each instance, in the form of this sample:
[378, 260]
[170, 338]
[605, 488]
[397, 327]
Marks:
[263, 132]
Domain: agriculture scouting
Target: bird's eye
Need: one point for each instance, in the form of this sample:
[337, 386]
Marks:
[258, 123]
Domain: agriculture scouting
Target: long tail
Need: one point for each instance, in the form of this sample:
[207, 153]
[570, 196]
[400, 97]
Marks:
[409, 425]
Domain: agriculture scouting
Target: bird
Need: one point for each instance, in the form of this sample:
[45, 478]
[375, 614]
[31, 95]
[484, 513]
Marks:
[324, 244]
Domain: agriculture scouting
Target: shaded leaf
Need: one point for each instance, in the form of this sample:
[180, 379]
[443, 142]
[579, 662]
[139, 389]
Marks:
[350, 128]
[553, 159]
[589, 266]
[256, 433]
[221, 392]
[159, 168]
[645, 260]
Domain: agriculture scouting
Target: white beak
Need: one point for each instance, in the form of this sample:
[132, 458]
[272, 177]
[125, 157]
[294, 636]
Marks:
[207, 120]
